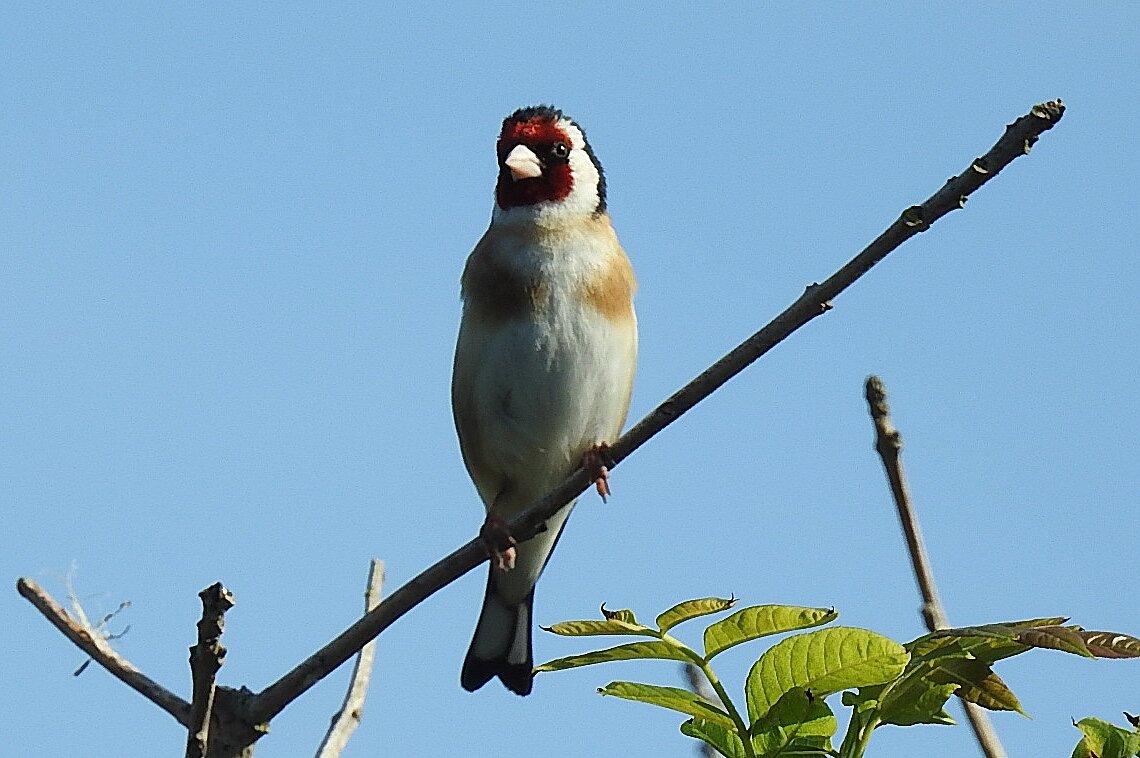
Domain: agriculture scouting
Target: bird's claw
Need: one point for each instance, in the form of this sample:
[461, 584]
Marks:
[596, 461]
[499, 543]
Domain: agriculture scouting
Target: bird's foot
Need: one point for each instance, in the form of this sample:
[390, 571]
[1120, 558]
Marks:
[499, 543]
[596, 461]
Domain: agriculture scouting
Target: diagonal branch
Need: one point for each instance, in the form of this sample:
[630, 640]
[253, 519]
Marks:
[816, 300]
[888, 443]
[96, 646]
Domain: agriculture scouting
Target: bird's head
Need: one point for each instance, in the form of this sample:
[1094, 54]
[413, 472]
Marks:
[546, 167]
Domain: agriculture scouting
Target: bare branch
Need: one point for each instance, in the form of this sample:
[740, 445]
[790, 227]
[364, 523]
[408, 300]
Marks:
[984, 730]
[96, 646]
[888, 443]
[346, 720]
[816, 300]
[206, 659]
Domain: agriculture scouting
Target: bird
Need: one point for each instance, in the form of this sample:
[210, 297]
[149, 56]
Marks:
[544, 363]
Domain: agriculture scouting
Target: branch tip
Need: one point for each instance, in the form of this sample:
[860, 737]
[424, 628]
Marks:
[876, 395]
[216, 599]
[1051, 110]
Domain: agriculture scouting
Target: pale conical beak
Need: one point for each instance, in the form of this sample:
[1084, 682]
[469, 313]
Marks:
[523, 163]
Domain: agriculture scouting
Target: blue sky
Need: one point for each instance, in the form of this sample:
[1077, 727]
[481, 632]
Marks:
[229, 256]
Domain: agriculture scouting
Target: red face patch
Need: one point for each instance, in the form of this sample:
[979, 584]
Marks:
[557, 180]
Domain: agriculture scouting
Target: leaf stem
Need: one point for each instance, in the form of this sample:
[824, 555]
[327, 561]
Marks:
[865, 736]
[848, 743]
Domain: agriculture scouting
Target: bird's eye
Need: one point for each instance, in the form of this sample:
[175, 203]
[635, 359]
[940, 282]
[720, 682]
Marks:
[560, 150]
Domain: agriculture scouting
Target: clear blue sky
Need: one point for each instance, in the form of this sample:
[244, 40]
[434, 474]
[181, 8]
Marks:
[230, 243]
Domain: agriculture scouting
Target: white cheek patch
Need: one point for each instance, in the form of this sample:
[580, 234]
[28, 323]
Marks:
[583, 199]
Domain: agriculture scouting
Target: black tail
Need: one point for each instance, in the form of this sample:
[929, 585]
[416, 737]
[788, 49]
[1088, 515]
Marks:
[501, 646]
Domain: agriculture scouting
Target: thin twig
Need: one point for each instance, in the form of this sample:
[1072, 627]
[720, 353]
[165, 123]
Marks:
[346, 720]
[1016, 141]
[98, 630]
[206, 659]
[888, 443]
[101, 652]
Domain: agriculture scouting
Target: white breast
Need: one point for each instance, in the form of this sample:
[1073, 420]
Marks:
[547, 387]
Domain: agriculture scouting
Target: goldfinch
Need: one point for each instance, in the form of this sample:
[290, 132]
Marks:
[544, 362]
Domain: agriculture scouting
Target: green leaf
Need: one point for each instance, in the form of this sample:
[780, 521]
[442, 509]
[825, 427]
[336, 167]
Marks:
[824, 661]
[980, 685]
[592, 628]
[1105, 740]
[725, 741]
[918, 696]
[760, 621]
[988, 642]
[1111, 644]
[911, 698]
[691, 609]
[914, 700]
[673, 698]
[992, 642]
[798, 721]
[1061, 638]
[625, 615]
[1027, 623]
[629, 651]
